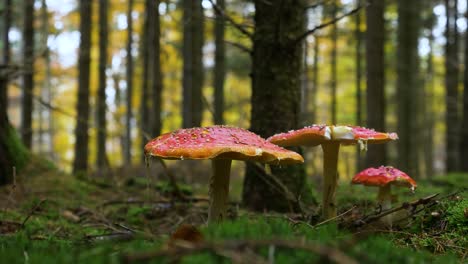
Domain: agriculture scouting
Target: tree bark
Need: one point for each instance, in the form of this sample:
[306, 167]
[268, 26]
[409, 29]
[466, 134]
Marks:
[408, 85]
[157, 83]
[220, 66]
[28, 76]
[80, 162]
[451, 86]
[127, 146]
[193, 65]
[375, 97]
[315, 81]
[101, 124]
[276, 69]
[464, 131]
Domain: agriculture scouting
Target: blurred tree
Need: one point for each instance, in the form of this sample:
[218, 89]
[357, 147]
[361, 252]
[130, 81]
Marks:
[80, 162]
[375, 97]
[276, 70]
[101, 124]
[127, 146]
[451, 84]
[145, 48]
[13, 152]
[464, 130]
[428, 111]
[358, 38]
[6, 21]
[28, 76]
[157, 83]
[315, 81]
[333, 65]
[193, 65]
[408, 85]
[220, 65]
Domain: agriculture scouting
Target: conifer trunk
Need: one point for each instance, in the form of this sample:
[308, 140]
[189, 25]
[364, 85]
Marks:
[127, 143]
[220, 67]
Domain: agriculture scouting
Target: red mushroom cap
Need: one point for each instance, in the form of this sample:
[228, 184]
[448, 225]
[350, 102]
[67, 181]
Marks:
[317, 134]
[384, 175]
[219, 142]
[308, 136]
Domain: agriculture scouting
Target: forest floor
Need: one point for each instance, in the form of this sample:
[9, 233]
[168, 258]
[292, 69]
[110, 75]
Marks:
[51, 217]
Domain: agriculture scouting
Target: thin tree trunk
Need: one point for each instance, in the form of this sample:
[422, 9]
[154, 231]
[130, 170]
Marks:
[276, 69]
[428, 119]
[127, 147]
[144, 106]
[408, 85]
[220, 67]
[333, 69]
[157, 83]
[451, 83]
[28, 76]
[101, 124]
[80, 163]
[315, 81]
[6, 56]
[193, 66]
[358, 36]
[464, 131]
[375, 96]
[304, 120]
[118, 117]
[13, 152]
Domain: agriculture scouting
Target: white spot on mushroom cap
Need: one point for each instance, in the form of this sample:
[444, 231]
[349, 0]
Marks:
[342, 132]
[258, 151]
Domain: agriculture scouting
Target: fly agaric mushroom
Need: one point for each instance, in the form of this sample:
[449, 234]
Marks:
[384, 177]
[221, 144]
[330, 138]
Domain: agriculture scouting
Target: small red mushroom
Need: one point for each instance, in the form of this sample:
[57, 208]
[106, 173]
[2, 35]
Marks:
[384, 177]
[221, 144]
[330, 138]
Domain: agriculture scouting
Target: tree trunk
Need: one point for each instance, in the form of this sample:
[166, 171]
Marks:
[118, 119]
[451, 86]
[464, 131]
[358, 36]
[28, 76]
[193, 65]
[333, 74]
[220, 67]
[5, 57]
[315, 81]
[46, 91]
[428, 146]
[127, 146]
[276, 69]
[157, 83]
[101, 124]
[304, 119]
[408, 85]
[80, 163]
[144, 107]
[375, 97]
[13, 152]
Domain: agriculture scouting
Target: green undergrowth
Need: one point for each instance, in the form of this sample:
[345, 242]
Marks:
[49, 201]
[20, 248]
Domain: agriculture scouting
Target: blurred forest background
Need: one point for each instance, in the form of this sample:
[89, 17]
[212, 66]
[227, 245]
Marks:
[87, 83]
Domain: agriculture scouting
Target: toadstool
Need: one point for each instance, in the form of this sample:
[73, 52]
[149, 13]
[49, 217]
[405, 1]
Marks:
[384, 177]
[221, 144]
[330, 138]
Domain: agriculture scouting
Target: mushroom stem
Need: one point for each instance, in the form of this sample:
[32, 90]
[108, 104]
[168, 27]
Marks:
[385, 200]
[219, 190]
[330, 173]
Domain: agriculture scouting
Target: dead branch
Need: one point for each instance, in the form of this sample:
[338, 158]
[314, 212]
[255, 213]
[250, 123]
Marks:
[405, 206]
[31, 212]
[221, 12]
[183, 248]
[239, 46]
[328, 23]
